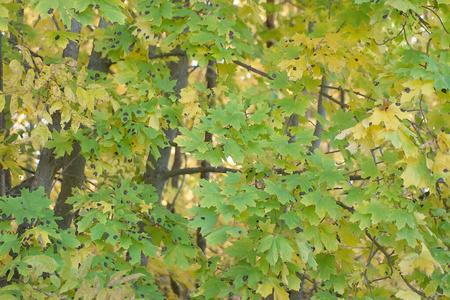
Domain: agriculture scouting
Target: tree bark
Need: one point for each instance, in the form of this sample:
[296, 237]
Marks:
[5, 175]
[157, 167]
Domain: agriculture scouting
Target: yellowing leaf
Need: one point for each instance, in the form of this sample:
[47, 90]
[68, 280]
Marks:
[423, 261]
[407, 295]
[39, 136]
[2, 102]
[389, 116]
[426, 262]
[16, 70]
[265, 289]
[416, 173]
[280, 293]
[189, 98]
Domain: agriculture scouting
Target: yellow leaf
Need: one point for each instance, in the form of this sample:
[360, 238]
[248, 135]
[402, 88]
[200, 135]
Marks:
[387, 116]
[265, 289]
[189, 98]
[16, 69]
[280, 293]
[2, 102]
[426, 262]
[443, 141]
[416, 173]
[42, 238]
[145, 207]
[423, 261]
[407, 295]
[39, 136]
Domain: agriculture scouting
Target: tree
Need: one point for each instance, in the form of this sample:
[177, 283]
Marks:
[225, 149]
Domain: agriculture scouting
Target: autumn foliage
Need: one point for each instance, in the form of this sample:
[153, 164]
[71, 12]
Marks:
[225, 149]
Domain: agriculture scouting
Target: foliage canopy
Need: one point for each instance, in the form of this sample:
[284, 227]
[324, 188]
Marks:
[225, 149]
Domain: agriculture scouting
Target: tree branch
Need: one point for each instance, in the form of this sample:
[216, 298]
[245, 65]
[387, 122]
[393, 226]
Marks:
[333, 100]
[184, 171]
[391, 263]
[250, 68]
[167, 55]
[349, 91]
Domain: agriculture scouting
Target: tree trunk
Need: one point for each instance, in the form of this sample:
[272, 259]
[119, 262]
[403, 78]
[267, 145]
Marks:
[157, 168]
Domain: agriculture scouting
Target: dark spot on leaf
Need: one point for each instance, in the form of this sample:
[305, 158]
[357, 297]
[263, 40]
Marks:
[245, 278]
[202, 218]
[135, 188]
[356, 59]
[119, 33]
[445, 170]
[56, 37]
[125, 119]
[29, 266]
[50, 11]
[294, 68]
[147, 12]
[407, 90]
[115, 237]
[397, 104]
[125, 192]
[92, 150]
[274, 75]
[385, 16]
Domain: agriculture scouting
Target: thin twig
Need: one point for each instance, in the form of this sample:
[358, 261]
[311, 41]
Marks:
[184, 171]
[440, 20]
[167, 55]
[250, 68]
[388, 40]
[391, 264]
[56, 23]
[172, 205]
[349, 91]
[333, 100]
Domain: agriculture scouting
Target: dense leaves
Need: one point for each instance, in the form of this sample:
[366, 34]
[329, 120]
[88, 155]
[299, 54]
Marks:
[244, 149]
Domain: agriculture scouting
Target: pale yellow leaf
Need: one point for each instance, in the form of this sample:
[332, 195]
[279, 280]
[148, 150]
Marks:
[280, 293]
[407, 295]
[2, 101]
[40, 135]
[265, 289]
[426, 262]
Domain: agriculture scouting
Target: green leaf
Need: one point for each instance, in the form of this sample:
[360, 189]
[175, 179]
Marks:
[410, 235]
[283, 196]
[60, 143]
[41, 264]
[326, 266]
[401, 218]
[206, 219]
